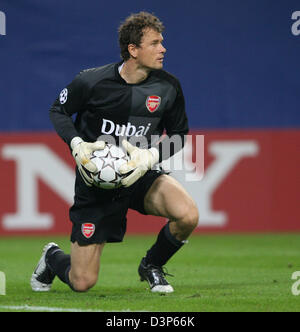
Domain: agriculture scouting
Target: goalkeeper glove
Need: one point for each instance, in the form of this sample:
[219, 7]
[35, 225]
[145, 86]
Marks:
[141, 160]
[82, 152]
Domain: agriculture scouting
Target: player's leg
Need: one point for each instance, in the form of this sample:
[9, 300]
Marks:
[167, 198]
[106, 216]
[79, 270]
[85, 265]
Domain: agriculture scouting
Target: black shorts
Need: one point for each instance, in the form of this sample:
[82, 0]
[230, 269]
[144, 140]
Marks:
[99, 215]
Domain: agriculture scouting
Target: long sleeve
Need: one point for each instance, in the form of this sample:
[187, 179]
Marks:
[70, 101]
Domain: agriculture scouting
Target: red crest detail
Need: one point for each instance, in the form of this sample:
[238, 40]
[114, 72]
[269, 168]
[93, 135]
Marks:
[152, 103]
[88, 230]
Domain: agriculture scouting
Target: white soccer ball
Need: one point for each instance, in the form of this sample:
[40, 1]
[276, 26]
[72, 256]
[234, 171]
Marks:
[108, 162]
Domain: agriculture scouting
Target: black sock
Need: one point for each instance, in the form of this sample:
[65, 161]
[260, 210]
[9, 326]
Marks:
[60, 264]
[164, 248]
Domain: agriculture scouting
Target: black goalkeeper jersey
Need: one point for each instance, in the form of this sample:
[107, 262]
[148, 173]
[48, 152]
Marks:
[105, 104]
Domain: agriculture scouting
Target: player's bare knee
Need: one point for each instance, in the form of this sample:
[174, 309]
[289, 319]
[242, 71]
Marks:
[190, 218]
[82, 286]
[83, 283]
[194, 217]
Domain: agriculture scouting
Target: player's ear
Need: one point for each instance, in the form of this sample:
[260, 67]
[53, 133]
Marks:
[133, 49]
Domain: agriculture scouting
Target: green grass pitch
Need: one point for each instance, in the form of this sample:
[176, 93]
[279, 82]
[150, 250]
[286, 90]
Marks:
[211, 273]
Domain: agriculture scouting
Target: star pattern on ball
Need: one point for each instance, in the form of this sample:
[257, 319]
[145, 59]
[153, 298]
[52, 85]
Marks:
[108, 160]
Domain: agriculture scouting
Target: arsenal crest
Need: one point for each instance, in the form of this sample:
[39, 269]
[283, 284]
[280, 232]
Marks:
[152, 103]
[88, 230]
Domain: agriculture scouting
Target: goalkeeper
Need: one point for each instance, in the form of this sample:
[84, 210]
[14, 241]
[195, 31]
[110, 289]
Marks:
[131, 99]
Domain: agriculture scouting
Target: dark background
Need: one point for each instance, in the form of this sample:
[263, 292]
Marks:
[237, 60]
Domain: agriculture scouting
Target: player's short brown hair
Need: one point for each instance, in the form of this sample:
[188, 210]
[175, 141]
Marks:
[132, 29]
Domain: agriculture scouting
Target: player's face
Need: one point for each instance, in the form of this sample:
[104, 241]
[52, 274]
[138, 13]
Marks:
[150, 53]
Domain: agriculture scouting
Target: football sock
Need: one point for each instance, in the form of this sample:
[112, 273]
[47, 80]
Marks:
[60, 264]
[164, 248]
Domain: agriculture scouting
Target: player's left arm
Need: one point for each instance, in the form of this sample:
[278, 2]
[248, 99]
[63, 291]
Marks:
[141, 160]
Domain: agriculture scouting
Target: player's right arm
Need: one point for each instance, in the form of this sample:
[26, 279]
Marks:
[71, 100]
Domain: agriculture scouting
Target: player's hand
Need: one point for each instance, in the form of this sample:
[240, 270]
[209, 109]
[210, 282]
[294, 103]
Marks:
[141, 160]
[82, 152]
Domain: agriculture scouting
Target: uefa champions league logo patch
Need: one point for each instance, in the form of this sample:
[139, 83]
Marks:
[63, 96]
[88, 230]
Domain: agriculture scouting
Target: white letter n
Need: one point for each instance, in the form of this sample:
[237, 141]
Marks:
[33, 161]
